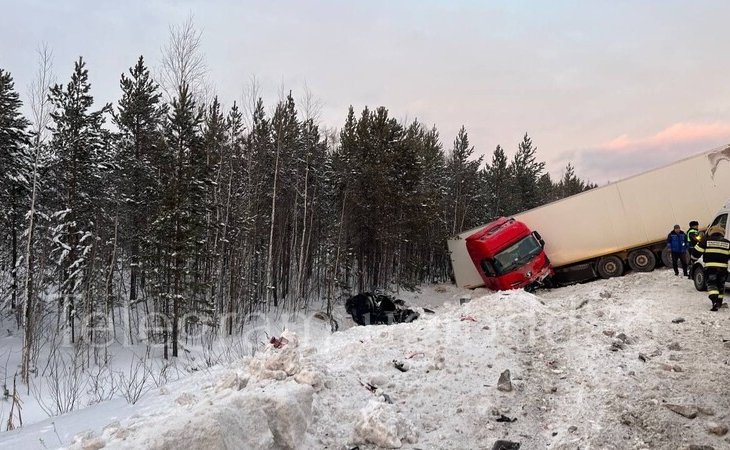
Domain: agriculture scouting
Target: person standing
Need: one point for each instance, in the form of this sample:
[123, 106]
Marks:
[693, 238]
[715, 250]
[677, 244]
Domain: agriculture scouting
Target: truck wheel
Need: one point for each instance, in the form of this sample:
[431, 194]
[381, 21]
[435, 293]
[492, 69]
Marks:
[610, 266]
[667, 257]
[698, 276]
[642, 260]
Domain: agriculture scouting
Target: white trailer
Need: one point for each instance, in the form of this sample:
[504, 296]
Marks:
[465, 272]
[601, 230]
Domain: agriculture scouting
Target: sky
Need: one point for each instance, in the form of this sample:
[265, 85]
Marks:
[630, 362]
[612, 87]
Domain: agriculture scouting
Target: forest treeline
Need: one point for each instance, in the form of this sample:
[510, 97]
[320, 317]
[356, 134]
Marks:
[166, 207]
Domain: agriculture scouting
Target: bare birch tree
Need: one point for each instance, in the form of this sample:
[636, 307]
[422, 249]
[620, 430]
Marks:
[250, 96]
[270, 258]
[311, 108]
[41, 107]
[183, 62]
[183, 78]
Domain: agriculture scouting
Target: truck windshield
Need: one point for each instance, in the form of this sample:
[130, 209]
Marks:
[516, 255]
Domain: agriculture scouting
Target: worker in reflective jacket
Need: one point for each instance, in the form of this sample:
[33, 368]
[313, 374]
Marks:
[715, 250]
[693, 234]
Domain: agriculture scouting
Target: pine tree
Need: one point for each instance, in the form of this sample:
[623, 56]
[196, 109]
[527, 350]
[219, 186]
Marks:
[230, 209]
[214, 141]
[260, 157]
[433, 182]
[527, 171]
[384, 197]
[180, 226]
[500, 185]
[139, 117]
[283, 232]
[465, 191]
[420, 231]
[311, 215]
[570, 184]
[343, 201]
[354, 162]
[549, 190]
[78, 146]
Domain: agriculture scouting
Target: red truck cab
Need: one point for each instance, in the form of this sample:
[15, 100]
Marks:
[508, 255]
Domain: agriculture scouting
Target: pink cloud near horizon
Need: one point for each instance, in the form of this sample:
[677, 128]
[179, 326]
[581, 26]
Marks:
[625, 156]
[674, 134]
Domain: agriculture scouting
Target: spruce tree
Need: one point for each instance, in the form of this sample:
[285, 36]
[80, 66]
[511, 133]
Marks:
[15, 168]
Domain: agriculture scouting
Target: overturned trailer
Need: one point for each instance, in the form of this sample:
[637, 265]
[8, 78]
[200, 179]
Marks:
[597, 233]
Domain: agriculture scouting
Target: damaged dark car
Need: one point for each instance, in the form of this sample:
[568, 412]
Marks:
[368, 308]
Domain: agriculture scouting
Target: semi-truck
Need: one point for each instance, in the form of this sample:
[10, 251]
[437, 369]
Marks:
[597, 233]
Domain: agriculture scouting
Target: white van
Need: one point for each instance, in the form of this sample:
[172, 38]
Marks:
[698, 269]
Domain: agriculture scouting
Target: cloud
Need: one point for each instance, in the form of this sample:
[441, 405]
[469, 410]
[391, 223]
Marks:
[677, 134]
[625, 156]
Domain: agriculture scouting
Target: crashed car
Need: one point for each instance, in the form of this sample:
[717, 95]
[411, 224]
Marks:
[368, 308]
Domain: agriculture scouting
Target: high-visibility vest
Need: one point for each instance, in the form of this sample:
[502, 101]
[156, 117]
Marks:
[690, 233]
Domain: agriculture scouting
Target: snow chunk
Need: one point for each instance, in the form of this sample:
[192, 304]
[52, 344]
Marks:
[288, 407]
[312, 378]
[278, 363]
[186, 399]
[381, 424]
[232, 380]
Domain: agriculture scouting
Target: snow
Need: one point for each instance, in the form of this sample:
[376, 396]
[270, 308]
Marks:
[636, 362]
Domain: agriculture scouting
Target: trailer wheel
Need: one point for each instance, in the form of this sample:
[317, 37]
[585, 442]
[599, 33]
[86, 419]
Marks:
[698, 276]
[610, 266]
[667, 257]
[642, 260]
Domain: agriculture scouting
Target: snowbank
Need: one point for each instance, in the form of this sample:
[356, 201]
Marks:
[265, 405]
[631, 363]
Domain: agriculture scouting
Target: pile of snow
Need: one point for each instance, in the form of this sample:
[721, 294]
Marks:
[636, 362]
[268, 406]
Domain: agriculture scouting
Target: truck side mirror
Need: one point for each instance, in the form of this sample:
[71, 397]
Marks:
[539, 238]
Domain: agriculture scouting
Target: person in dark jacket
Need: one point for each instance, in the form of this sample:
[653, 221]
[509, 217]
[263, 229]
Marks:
[693, 238]
[677, 244]
[715, 250]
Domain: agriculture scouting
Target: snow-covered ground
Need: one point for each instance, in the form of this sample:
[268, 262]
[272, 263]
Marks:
[637, 362]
